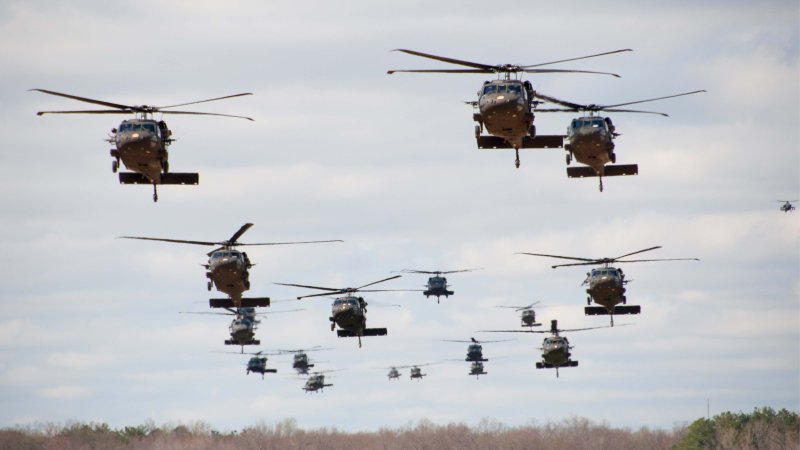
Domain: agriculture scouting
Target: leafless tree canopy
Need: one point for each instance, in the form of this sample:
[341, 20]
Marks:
[762, 429]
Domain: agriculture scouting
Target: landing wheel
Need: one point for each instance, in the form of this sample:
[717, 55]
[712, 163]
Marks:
[624, 300]
[114, 166]
[569, 158]
[165, 166]
[516, 161]
[477, 131]
[532, 131]
[209, 285]
[332, 326]
[613, 157]
[589, 301]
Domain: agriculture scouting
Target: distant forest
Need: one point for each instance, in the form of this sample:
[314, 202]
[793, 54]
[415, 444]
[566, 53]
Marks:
[764, 428]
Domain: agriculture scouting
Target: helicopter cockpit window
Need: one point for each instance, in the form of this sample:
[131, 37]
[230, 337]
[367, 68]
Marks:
[490, 89]
[125, 127]
[515, 88]
[151, 127]
[598, 123]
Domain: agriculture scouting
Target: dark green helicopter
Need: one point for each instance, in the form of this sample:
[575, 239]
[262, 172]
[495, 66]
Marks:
[228, 268]
[590, 138]
[476, 368]
[415, 372]
[316, 381]
[141, 143]
[555, 349]
[606, 284]
[300, 360]
[437, 284]
[526, 313]
[349, 312]
[258, 363]
[506, 105]
[475, 349]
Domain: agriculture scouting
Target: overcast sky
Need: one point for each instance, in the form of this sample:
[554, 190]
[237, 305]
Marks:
[89, 324]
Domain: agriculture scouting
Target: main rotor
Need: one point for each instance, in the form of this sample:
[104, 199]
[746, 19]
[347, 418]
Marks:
[592, 108]
[340, 291]
[606, 261]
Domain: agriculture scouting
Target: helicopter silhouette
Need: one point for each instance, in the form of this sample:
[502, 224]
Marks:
[415, 372]
[527, 314]
[474, 349]
[590, 138]
[257, 363]
[555, 349]
[228, 268]
[300, 360]
[506, 105]
[244, 324]
[476, 368]
[437, 284]
[141, 143]
[316, 381]
[787, 205]
[349, 312]
[606, 284]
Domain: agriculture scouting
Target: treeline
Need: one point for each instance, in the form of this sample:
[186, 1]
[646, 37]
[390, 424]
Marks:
[762, 429]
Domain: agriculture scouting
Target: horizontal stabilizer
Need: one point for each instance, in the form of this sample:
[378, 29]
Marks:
[608, 171]
[618, 310]
[540, 141]
[166, 178]
[271, 370]
[250, 342]
[366, 332]
[255, 302]
[540, 365]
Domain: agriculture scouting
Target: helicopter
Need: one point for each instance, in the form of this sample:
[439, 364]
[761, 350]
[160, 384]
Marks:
[475, 349]
[316, 381]
[476, 368]
[606, 284]
[590, 138]
[349, 312]
[242, 329]
[787, 205]
[437, 284]
[227, 268]
[506, 105]
[300, 360]
[527, 314]
[555, 349]
[258, 364]
[141, 143]
[416, 371]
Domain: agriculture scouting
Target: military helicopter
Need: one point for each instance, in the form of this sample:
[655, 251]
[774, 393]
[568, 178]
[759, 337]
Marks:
[590, 139]
[316, 381]
[555, 349]
[437, 284]
[527, 314]
[475, 349]
[141, 143]
[300, 360]
[606, 284]
[258, 363]
[416, 371]
[787, 205]
[242, 330]
[506, 105]
[349, 312]
[476, 368]
[227, 267]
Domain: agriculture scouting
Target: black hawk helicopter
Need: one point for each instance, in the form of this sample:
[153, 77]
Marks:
[437, 284]
[228, 268]
[243, 325]
[476, 368]
[316, 381]
[349, 311]
[526, 313]
[415, 372]
[590, 138]
[141, 143]
[506, 105]
[606, 284]
[300, 360]
[787, 205]
[258, 362]
[475, 349]
[555, 349]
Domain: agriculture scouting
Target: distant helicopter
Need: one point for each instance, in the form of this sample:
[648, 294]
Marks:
[141, 143]
[506, 106]
[243, 329]
[258, 363]
[527, 314]
[437, 284]
[475, 349]
[555, 349]
[606, 285]
[415, 372]
[591, 138]
[228, 267]
[476, 368]
[300, 360]
[787, 205]
[349, 311]
[316, 382]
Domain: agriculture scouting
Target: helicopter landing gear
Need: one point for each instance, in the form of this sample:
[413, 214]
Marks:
[155, 193]
[477, 131]
[589, 301]
[532, 131]
[569, 158]
[601, 184]
[165, 166]
[613, 157]
[209, 285]
[516, 161]
[624, 300]
[114, 166]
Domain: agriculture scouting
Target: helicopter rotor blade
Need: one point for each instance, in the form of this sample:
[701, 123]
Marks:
[177, 241]
[559, 102]
[461, 270]
[568, 71]
[459, 62]
[548, 110]
[310, 287]
[636, 252]
[324, 294]
[193, 113]
[205, 101]
[580, 57]
[85, 99]
[667, 259]
[89, 111]
[441, 71]
[634, 111]
[592, 261]
[294, 242]
[376, 282]
[239, 233]
[651, 99]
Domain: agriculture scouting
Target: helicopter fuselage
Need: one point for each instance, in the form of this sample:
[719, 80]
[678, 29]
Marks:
[315, 383]
[787, 207]
[228, 271]
[475, 353]
[349, 313]
[555, 351]
[591, 142]
[437, 286]
[300, 363]
[606, 287]
[141, 144]
[416, 373]
[505, 110]
[393, 374]
[476, 368]
[242, 331]
[528, 318]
